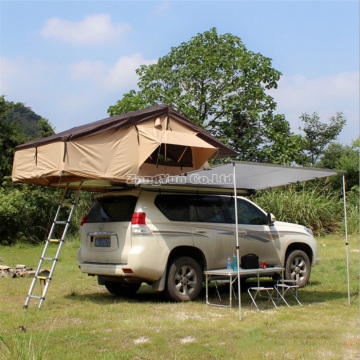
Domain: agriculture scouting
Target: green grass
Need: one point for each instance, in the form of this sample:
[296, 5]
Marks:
[80, 320]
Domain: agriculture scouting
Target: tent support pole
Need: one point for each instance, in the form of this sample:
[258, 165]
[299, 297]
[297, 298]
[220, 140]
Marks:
[237, 239]
[346, 241]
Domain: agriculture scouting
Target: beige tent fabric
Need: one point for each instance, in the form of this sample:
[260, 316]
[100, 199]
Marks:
[114, 157]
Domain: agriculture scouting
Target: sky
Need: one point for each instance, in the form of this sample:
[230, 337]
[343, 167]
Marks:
[70, 60]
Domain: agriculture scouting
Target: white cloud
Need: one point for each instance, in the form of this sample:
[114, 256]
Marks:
[87, 69]
[298, 94]
[69, 95]
[24, 76]
[93, 29]
[162, 8]
[120, 75]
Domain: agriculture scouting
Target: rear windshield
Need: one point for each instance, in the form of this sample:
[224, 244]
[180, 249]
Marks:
[112, 209]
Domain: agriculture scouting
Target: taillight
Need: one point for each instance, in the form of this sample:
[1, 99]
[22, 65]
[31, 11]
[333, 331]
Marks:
[83, 221]
[138, 218]
[138, 224]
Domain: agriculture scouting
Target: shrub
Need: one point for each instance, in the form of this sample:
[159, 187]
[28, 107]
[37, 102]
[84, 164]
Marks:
[316, 208]
[27, 212]
[352, 207]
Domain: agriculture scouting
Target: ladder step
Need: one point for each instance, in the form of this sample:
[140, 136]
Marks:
[50, 259]
[67, 204]
[55, 240]
[61, 222]
[42, 277]
[35, 296]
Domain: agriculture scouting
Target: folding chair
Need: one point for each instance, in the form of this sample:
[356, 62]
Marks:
[287, 286]
[258, 290]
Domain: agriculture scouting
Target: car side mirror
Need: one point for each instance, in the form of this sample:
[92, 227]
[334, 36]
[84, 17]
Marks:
[271, 219]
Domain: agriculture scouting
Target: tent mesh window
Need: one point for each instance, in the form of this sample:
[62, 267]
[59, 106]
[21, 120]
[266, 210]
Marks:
[171, 155]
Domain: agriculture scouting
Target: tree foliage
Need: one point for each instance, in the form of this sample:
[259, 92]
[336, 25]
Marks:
[318, 136]
[343, 157]
[217, 83]
[11, 135]
[16, 130]
[27, 211]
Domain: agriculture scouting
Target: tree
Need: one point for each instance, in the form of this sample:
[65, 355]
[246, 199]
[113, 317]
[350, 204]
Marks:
[17, 131]
[343, 157]
[45, 128]
[217, 83]
[10, 136]
[318, 136]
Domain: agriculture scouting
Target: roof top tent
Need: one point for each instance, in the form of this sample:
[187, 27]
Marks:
[107, 153]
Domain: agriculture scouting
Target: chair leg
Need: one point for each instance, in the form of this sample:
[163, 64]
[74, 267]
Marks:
[287, 288]
[271, 298]
[253, 298]
[217, 290]
[281, 295]
[257, 292]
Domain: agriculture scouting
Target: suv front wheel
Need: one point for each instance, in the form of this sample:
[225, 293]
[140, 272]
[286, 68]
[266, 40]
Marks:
[297, 267]
[184, 279]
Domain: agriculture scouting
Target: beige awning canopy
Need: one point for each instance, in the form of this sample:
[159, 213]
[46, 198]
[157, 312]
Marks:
[147, 143]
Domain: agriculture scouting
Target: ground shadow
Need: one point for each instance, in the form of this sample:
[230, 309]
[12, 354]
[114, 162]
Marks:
[306, 295]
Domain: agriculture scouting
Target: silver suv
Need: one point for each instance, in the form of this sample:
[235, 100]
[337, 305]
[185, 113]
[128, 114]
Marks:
[169, 239]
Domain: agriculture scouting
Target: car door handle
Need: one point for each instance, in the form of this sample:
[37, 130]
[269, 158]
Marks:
[242, 232]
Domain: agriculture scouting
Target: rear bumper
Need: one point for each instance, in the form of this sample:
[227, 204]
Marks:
[103, 269]
[121, 270]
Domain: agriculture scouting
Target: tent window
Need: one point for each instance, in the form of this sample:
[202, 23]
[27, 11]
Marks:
[171, 155]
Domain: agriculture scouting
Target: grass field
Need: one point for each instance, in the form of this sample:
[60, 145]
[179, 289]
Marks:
[81, 320]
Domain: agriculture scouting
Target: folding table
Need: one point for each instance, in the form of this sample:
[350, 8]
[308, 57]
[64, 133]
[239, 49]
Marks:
[232, 275]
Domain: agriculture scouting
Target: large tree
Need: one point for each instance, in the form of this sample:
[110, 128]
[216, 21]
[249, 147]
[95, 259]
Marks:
[217, 83]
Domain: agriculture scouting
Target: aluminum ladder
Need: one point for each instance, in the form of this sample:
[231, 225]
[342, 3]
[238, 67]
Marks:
[56, 223]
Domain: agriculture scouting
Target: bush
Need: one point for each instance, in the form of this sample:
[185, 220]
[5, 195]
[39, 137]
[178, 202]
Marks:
[316, 208]
[27, 212]
[352, 208]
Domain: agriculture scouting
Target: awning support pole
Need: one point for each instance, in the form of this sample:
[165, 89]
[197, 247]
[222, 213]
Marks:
[237, 239]
[346, 241]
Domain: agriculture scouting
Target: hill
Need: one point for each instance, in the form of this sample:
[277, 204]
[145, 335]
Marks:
[27, 119]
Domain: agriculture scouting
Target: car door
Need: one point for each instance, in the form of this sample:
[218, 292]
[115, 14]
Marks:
[256, 235]
[213, 231]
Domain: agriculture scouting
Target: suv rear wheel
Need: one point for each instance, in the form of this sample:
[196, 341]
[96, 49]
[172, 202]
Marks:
[297, 267]
[122, 289]
[184, 279]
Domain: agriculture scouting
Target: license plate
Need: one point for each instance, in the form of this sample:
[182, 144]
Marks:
[102, 242]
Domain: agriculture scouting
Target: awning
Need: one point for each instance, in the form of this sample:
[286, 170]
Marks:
[249, 177]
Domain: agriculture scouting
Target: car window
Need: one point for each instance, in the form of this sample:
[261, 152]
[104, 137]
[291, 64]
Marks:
[208, 209]
[112, 209]
[174, 207]
[247, 213]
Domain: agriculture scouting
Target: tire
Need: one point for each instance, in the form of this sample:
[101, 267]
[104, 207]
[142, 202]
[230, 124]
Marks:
[184, 279]
[298, 267]
[122, 289]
